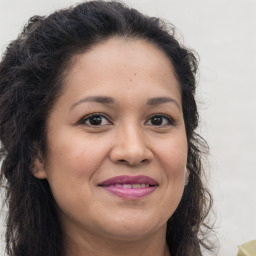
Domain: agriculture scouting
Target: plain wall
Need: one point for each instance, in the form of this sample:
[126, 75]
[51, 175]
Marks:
[223, 32]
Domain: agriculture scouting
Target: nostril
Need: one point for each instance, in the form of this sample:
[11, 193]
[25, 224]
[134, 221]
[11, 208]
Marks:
[127, 162]
[123, 161]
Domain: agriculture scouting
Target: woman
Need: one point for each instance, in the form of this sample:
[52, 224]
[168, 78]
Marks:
[97, 125]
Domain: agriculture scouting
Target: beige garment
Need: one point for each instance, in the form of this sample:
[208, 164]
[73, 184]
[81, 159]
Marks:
[247, 249]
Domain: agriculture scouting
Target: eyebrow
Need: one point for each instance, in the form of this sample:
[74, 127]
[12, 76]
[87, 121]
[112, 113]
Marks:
[161, 100]
[109, 100]
[98, 99]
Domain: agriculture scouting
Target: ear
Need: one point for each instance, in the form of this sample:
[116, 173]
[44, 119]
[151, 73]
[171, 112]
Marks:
[38, 168]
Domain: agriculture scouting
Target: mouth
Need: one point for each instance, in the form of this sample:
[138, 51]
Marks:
[130, 187]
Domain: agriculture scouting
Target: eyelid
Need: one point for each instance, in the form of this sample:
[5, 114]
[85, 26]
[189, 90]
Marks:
[85, 118]
[169, 118]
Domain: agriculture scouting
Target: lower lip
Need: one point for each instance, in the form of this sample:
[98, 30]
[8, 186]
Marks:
[130, 193]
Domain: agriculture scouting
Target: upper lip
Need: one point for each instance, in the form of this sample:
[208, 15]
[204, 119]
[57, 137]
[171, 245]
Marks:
[126, 179]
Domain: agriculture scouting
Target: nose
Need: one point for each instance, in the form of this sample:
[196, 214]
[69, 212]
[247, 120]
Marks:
[130, 147]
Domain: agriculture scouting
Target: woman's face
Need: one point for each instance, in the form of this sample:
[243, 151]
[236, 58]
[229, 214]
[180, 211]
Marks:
[116, 143]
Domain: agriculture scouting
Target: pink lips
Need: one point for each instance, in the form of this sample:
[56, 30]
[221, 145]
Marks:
[130, 187]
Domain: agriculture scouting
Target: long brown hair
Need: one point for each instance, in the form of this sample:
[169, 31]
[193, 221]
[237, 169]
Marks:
[31, 78]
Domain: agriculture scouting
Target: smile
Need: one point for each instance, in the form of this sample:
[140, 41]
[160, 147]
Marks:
[130, 187]
[134, 186]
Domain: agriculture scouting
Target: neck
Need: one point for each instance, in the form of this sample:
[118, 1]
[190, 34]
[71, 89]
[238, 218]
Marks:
[90, 245]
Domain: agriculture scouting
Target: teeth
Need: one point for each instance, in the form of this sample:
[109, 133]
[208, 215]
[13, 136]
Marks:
[127, 186]
[131, 186]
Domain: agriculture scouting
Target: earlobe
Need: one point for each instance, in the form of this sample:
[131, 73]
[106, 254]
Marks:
[38, 169]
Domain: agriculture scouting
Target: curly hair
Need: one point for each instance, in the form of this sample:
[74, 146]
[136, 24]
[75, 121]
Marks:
[32, 72]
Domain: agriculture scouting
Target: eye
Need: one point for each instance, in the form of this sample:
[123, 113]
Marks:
[95, 120]
[160, 120]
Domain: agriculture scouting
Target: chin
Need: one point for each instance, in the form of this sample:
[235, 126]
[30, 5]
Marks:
[131, 229]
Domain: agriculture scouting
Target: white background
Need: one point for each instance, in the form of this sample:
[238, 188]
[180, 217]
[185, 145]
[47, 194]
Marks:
[223, 32]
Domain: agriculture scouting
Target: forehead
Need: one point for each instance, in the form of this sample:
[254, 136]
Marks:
[121, 64]
[123, 52]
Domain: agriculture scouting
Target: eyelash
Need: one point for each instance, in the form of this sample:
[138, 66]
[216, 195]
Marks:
[170, 121]
[88, 117]
[83, 121]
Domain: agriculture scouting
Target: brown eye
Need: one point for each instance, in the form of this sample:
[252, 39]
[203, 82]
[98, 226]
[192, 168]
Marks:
[157, 120]
[160, 120]
[95, 120]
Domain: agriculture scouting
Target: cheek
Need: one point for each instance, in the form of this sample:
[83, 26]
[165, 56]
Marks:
[174, 166]
[70, 168]
[173, 154]
[74, 155]
[173, 157]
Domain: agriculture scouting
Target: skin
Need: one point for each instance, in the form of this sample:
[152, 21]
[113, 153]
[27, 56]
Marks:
[125, 141]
